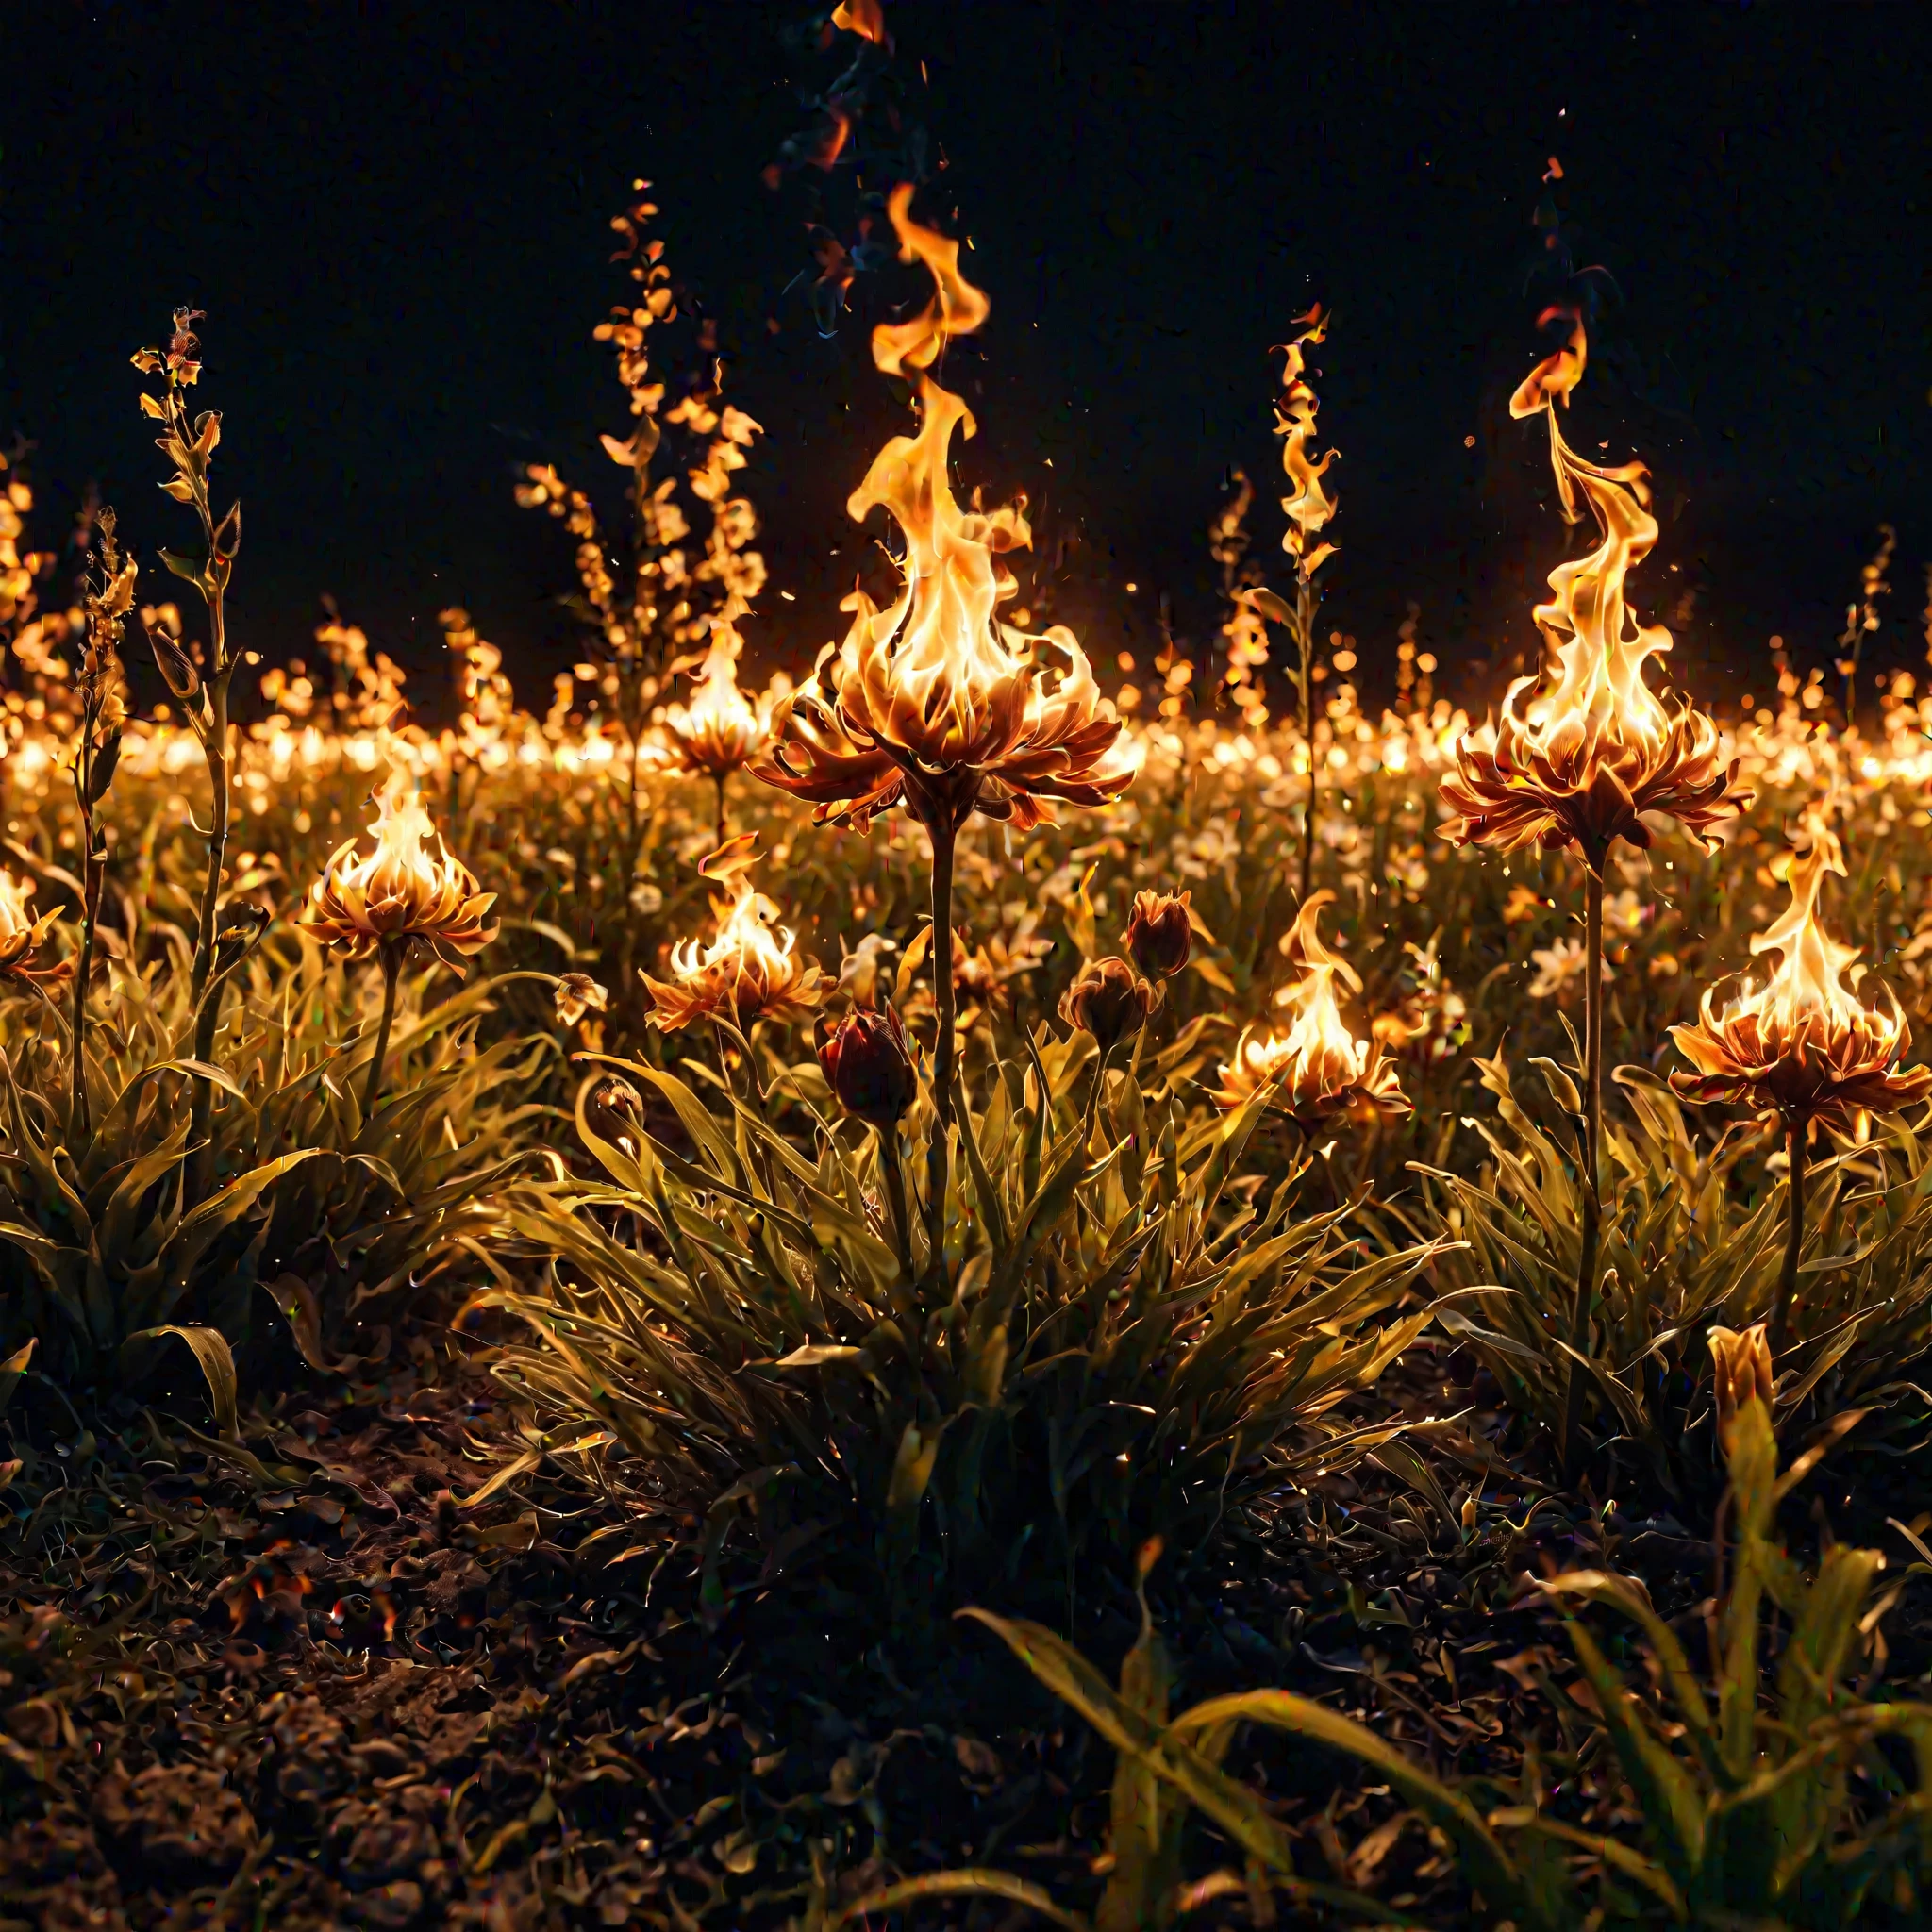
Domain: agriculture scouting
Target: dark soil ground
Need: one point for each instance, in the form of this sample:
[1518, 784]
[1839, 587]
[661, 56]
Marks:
[298, 1684]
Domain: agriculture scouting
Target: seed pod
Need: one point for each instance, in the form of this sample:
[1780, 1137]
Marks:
[1159, 935]
[178, 670]
[1743, 1362]
[867, 1068]
[1107, 999]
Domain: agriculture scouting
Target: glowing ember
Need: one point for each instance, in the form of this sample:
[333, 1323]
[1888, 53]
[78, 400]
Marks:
[1580, 759]
[409, 888]
[1803, 1046]
[1319, 1067]
[934, 703]
[750, 971]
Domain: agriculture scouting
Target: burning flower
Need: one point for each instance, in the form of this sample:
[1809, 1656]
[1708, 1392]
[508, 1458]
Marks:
[409, 888]
[1803, 1048]
[1581, 761]
[1320, 1068]
[719, 730]
[22, 935]
[750, 971]
[934, 703]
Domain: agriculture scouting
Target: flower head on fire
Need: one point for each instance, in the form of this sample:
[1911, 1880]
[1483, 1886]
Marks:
[1803, 1046]
[934, 703]
[1317, 1068]
[750, 971]
[1580, 755]
[410, 888]
[718, 729]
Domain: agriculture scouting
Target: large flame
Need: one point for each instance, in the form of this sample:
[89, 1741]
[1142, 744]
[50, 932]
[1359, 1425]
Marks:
[1580, 754]
[750, 971]
[934, 700]
[1317, 1064]
[1804, 1043]
[1598, 647]
[409, 888]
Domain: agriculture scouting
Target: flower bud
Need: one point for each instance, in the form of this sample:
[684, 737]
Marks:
[1107, 999]
[1159, 935]
[1742, 1363]
[867, 1068]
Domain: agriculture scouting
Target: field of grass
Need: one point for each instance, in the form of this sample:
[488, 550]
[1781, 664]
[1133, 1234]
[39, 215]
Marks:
[521, 1345]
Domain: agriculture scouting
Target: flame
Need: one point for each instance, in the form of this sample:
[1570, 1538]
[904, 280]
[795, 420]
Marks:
[750, 971]
[719, 730]
[1803, 1043]
[1599, 648]
[934, 701]
[1319, 1066]
[1310, 506]
[409, 888]
[1581, 753]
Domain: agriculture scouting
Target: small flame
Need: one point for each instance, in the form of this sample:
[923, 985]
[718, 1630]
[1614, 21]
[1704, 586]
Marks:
[20, 933]
[750, 971]
[719, 730]
[1317, 1064]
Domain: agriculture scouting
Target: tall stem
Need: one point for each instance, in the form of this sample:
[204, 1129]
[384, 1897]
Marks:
[723, 824]
[895, 1198]
[1593, 1140]
[208, 1002]
[390, 954]
[79, 1126]
[1795, 1238]
[939, 1157]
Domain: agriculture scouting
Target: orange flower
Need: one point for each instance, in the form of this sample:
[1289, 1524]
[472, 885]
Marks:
[1803, 1048]
[1317, 1067]
[409, 888]
[22, 935]
[934, 703]
[750, 971]
[1581, 759]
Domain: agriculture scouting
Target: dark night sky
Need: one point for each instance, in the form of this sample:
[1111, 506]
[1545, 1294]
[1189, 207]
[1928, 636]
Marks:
[395, 219]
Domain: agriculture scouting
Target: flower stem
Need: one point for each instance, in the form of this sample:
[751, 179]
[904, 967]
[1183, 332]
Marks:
[724, 822]
[1592, 1139]
[391, 957]
[895, 1198]
[939, 1156]
[79, 1126]
[1794, 1236]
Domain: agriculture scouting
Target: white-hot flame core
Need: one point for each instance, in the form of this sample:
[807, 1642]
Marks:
[16, 915]
[750, 944]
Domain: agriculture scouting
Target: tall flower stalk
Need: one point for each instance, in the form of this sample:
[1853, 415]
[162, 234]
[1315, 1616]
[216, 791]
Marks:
[933, 704]
[1580, 755]
[202, 691]
[99, 691]
[1802, 1048]
[1309, 509]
